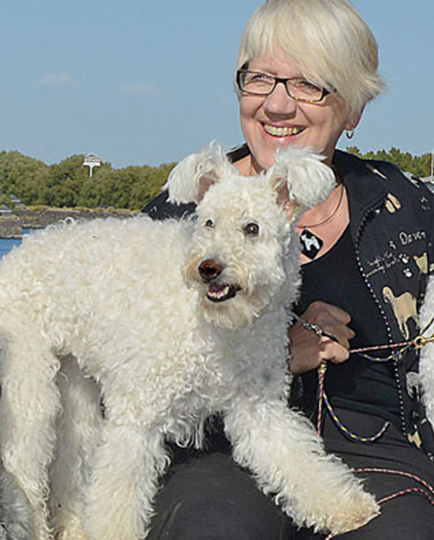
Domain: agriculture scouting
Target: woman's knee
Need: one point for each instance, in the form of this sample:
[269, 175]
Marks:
[215, 520]
[211, 498]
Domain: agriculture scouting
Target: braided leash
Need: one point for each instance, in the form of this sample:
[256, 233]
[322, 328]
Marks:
[419, 341]
[322, 397]
[427, 490]
[398, 351]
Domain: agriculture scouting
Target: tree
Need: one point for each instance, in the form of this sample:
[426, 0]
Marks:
[21, 175]
[67, 183]
[418, 165]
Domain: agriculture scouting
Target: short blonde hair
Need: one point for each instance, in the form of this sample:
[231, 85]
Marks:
[327, 39]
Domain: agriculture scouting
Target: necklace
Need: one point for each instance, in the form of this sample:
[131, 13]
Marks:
[311, 244]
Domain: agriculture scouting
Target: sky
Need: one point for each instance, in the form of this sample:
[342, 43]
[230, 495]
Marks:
[151, 81]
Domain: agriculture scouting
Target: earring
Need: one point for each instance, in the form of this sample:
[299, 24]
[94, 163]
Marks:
[349, 133]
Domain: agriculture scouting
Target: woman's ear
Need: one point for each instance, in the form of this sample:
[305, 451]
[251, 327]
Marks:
[353, 121]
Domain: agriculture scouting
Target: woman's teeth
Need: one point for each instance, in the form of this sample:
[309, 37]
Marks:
[282, 131]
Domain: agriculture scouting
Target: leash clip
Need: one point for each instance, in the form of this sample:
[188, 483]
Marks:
[422, 341]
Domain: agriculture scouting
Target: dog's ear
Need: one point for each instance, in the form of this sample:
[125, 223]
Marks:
[191, 178]
[205, 182]
[300, 177]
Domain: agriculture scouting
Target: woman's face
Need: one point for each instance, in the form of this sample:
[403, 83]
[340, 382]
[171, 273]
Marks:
[274, 121]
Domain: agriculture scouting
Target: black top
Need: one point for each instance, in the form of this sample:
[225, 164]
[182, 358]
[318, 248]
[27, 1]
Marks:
[359, 383]
[391, 226]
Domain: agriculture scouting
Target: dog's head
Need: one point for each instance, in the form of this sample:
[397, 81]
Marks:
[244, 255]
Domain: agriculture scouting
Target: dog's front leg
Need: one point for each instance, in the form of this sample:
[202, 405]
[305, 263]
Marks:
[284, 453]
[128, 464]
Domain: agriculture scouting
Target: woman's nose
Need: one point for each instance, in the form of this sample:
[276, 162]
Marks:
[279, 102]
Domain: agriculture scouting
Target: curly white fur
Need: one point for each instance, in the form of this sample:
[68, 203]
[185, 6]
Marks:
[122, 310]
[426, 366]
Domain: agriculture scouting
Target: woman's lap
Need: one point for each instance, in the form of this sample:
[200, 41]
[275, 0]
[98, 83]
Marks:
[206, 496]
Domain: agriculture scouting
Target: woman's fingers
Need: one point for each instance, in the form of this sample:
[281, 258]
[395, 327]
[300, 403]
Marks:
[309, 350]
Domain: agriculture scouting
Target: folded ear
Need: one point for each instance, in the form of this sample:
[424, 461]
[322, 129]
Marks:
[299, 176]
[192, 176]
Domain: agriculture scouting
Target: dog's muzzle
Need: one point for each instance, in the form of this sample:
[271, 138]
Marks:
[218, 291]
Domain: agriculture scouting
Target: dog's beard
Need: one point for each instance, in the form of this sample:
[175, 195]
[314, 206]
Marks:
[238, 311]
[229, 301]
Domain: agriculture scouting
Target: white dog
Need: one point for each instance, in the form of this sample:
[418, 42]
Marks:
[169, 322]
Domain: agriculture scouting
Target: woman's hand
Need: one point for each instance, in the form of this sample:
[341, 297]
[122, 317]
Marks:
[308, 350]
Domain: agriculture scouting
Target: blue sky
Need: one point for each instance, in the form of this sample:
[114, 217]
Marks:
[150, 81]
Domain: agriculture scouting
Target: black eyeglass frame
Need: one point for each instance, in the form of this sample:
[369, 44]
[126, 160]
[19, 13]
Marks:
[277, 80]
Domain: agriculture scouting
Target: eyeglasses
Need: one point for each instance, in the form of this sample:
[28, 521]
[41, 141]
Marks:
[262, 84]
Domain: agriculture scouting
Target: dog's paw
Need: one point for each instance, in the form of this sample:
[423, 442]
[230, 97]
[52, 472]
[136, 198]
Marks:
[353, 514]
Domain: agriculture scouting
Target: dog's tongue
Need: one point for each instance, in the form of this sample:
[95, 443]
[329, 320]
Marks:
[219, 293]
[214, 288]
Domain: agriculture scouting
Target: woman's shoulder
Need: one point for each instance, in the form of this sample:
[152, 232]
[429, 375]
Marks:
[160, 208]
[393, 176]
[406, 183]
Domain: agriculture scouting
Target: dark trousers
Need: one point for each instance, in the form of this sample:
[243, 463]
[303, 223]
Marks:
[206, 496]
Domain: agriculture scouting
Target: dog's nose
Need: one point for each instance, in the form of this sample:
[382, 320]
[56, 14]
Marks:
[209, 269]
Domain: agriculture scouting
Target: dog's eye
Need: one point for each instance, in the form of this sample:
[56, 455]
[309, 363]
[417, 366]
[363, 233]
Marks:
[251, 229]
[209, 223]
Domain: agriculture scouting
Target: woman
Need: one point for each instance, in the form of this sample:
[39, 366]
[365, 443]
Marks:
[306, 70]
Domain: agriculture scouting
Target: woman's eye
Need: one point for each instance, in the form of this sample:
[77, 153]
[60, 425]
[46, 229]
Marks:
[302, 83]
[251, 229]
[259, 77]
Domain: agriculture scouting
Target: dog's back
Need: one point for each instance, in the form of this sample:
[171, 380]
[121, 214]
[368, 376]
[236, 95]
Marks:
[73, 271]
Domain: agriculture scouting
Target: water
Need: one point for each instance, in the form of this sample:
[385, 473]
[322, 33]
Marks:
[6, 244]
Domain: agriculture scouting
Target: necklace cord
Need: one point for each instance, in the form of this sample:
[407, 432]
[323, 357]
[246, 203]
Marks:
[328, 218]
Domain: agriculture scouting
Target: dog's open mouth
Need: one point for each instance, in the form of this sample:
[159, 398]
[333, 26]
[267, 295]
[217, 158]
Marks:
[221, 292]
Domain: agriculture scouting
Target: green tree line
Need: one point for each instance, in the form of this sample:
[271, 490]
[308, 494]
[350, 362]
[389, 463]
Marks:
[68, 183]
[417, 165]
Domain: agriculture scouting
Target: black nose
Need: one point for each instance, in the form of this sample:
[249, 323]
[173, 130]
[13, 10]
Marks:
[209, 270]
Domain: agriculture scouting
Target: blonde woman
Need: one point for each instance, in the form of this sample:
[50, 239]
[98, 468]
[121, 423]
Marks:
[306, 71]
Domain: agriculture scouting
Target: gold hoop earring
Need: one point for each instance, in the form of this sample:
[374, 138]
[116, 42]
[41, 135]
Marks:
[349, 133]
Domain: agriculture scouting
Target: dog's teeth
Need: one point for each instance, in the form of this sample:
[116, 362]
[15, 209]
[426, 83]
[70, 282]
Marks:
[220, 292]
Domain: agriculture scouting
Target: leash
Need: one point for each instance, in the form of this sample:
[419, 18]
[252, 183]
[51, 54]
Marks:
[418, 342]
[398, 351]
[323, 398]
[426, 490]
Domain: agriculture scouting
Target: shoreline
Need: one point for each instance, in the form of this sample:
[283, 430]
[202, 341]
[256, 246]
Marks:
[11, 226]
